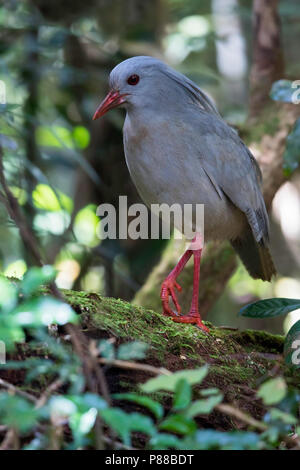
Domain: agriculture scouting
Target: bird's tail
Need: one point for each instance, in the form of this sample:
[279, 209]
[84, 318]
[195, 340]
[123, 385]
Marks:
[255, 256]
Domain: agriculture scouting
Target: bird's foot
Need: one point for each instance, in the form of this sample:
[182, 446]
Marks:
[168, 290]
[192, 318]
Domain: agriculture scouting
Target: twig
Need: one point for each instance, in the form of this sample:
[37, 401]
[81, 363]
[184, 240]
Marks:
[291, 442]
[118, 444]
[240, 415]
[134, 366]
[17, 391]
[52, 388]
[12, 206]
[11, 440]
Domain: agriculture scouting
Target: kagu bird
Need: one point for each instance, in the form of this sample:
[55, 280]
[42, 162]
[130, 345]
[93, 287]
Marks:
[179, 150]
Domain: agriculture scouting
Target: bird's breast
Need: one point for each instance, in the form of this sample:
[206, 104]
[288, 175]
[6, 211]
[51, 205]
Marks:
[165, 167]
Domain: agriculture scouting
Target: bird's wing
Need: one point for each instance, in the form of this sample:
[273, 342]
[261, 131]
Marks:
[233, 171]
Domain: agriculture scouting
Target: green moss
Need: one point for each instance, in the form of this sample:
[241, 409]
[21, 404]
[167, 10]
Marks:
[235, 357]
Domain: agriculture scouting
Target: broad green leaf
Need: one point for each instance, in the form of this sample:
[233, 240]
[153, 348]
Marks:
[178, 423]
[82, 423]
[106, 349]
[123, 423]
[272, 391]
[44, 197]
[155, 407]
[270, 308]
[282, 90]
[61, 137]
[292, 345]
[43, 311]
[182, 395]
[55, 136]
[204, 406]
[85, 226]
[133, 350]
[35, 277]
[88, 400]
[141, 423]
[168, 382]
[291, 156]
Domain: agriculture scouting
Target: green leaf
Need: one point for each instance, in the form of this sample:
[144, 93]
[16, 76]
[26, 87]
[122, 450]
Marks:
[278, 415]
[43, 311]
[88, 400]
[163, 441]
[106, 349]
[282, 90]
[17, 412]
[206, 406]
[183, 395]
[155, 407]
[272, 391]
[81, 136]
[44, 197]
[124, 423]
[169, 382]
[10, 333]
[291, 156]
[270, 308]
[292, 346]
[35, 277]
[141, 423]
[178, 423]
[133, 350]
[85, 226]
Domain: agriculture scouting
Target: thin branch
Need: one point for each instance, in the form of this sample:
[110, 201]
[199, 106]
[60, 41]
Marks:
[17, 391]
[134, 366]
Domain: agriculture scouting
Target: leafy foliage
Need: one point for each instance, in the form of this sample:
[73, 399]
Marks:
[271, 308]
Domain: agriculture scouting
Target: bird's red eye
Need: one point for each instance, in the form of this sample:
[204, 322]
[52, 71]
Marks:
[133, 80]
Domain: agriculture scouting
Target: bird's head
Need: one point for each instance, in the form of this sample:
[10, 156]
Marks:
[148, 82]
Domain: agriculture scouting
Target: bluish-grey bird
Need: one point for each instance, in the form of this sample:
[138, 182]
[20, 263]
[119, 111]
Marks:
[179, 150]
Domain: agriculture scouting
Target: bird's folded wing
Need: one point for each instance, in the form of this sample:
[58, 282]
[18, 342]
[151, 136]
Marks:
[233, 171]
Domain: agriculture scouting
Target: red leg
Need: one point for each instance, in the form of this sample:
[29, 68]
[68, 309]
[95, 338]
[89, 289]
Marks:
[170, 284]
[194, 316]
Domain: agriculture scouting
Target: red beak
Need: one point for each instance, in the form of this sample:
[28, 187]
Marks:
[112, 100]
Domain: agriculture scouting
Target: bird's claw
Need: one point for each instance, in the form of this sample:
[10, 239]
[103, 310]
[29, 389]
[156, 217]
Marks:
[168, 290]
[192, 318]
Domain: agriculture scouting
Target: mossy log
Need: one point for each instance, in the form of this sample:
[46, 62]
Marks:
[238, 360]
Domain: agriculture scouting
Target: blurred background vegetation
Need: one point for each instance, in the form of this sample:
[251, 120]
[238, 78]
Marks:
[55, 58]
